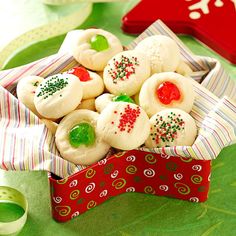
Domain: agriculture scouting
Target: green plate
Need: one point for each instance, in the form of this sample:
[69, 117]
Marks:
[131, 213]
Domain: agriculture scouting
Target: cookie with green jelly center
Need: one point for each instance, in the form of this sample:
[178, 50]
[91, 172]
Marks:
[123, 98]
[99, 42]
[82, 134]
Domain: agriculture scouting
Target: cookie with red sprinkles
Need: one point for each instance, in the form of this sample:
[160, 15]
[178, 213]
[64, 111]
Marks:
[123, 125]
[126, 72]
[171, 127]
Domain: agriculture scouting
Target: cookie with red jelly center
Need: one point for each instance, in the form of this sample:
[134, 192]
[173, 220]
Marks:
[92, 83]
[81, 73]
[166, 90]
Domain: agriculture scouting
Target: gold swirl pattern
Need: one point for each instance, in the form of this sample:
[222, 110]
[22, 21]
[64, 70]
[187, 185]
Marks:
[182, 188]
[149, 190]
[62, 181]
[91, 204]
[149, 158]
[196, 179]
[63, 210]
[119, 183]
[74, 194]
[120, 154]
[186, 159]
[108, 168]
[131, 169]
[90, 173]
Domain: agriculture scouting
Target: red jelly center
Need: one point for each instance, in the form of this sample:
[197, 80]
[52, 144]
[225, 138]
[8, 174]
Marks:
[81, 73]
[167, 92]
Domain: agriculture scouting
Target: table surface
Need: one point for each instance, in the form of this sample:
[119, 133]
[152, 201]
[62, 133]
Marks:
[130, 213]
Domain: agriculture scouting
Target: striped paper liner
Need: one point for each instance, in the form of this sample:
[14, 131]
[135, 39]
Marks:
[26, 144]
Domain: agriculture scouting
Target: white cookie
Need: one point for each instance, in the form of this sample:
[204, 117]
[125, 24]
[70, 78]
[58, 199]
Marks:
[91, 58]
[88, 104]
[123, 125]
[126, 72]
[171, 127]
[162, 51]
[166, 90]
[87, 146]
[51, 125]
[58, 95]
[102, 101]
[136, 98]
[183, 69]
[92, 83]
[25, 90]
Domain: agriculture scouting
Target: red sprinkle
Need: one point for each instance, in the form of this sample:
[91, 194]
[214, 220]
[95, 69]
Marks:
[81, 73]
[128, 118]
[167, 92]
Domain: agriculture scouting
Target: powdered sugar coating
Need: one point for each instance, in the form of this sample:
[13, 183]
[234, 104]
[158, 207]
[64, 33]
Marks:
[162, 51]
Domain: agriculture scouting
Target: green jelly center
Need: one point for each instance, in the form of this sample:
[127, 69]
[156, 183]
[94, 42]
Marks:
[123, 98]
[99, 43]
[82, 134]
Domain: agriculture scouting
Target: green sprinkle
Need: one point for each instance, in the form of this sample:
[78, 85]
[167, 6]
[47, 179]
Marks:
[53, 85]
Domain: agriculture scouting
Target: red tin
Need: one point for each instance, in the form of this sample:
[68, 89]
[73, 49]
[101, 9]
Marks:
[131, 171]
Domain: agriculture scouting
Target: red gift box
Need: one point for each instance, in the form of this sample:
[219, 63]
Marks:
[131, 171]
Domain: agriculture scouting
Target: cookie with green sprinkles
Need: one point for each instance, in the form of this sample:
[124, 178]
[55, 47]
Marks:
[58, 95]
[171, 127]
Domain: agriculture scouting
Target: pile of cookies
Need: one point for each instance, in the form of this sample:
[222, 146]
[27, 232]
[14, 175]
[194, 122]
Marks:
[115, 98]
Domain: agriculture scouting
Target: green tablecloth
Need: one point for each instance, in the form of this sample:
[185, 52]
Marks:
[131, 213]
